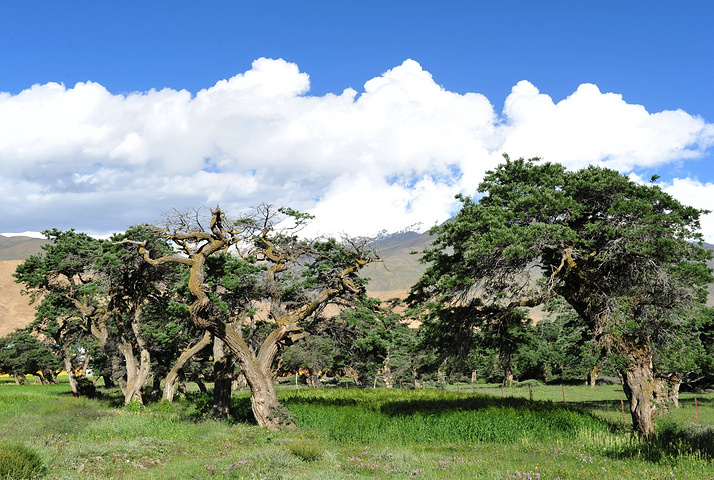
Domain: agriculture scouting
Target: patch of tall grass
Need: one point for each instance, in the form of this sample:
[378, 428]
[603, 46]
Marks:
[434, 416]
[18, 461]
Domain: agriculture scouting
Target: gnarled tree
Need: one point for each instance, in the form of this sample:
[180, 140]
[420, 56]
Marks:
[625, 256]
[299, 279]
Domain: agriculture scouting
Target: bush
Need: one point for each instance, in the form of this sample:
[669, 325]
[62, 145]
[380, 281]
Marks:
[85, 387]
[18, 462]
[308, 447]
[531, 382]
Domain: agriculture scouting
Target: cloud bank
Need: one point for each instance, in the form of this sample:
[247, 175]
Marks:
[385, 158]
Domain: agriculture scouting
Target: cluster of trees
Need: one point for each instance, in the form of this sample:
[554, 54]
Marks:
[618, 265]
[626, 258]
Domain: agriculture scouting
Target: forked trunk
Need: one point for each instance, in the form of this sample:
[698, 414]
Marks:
[267, 410]
[136, 373]
[639, 384]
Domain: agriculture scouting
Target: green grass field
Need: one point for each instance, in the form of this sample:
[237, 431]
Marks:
[426, 434]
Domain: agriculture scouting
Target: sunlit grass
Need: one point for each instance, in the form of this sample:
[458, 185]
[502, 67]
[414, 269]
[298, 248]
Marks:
[427, 434]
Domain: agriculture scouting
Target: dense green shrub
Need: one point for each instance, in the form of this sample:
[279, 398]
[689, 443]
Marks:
[19, 462]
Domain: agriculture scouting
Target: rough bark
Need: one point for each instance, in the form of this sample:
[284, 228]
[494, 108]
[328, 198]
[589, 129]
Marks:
[267, 409]
[177, 368]
[223, 368]
[137, 373]
[639, 384]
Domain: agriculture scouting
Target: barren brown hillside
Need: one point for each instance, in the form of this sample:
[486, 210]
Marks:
[15, 310]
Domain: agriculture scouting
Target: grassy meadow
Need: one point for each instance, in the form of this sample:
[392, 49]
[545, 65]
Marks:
[478, 432]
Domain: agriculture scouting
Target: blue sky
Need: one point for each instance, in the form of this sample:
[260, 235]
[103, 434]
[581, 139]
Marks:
[127, 144]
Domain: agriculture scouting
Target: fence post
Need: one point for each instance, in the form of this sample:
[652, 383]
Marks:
[696, 408]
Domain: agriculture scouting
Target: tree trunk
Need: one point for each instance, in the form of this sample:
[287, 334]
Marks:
[182, 382]
[593, 375]
[351, 372]
[129, 386]
[155, 387]
[508, 379]
[415, 377]
[137, 373]
[676, 382]
[223, 367]
[267, 409]
[85, 364]
[201, 386]
[50, 376]
[70, 370]
[639, 384]
[387, 376]
[108, 381]
[177, 368]
[661, 393]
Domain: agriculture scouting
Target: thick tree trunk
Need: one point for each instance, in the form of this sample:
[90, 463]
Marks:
[137, 373]
[130, 387]
[267, 409]
[223, 368]
[639, 384]
[177, 368]
[661, 393]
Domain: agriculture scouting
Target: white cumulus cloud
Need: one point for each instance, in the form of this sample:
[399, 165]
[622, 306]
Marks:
[387, 155]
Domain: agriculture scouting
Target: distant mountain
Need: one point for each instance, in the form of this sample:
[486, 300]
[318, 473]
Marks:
[19, 248]
[399, 269]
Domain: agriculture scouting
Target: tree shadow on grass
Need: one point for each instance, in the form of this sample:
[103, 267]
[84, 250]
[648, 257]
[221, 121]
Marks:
[671, 441]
